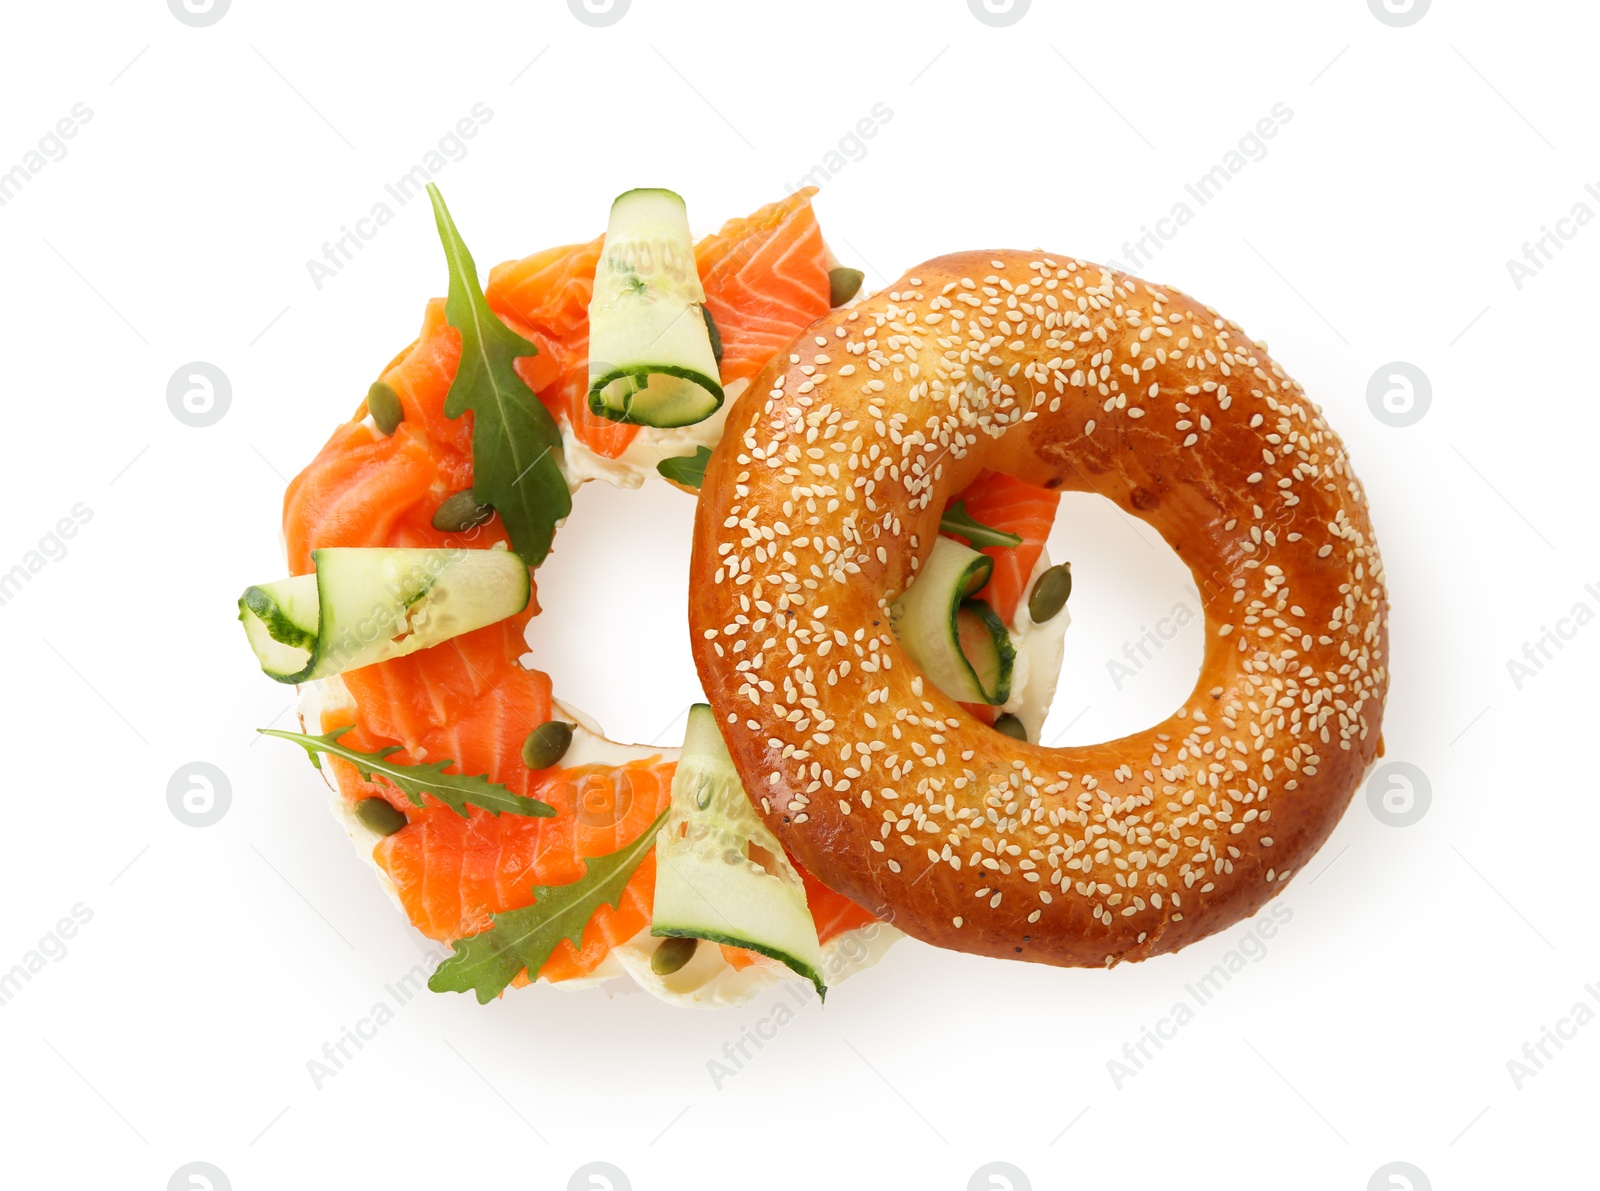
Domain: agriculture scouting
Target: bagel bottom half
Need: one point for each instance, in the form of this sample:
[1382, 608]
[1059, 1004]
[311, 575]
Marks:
[823, 499]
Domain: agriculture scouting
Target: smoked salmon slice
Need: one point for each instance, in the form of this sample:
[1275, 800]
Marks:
[766, 280]
[549, 292]
[453, 873]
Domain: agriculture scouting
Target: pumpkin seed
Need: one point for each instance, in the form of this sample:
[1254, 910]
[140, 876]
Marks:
[383, 403]
[1010, 725]
[461, 512]
[843, 284]
[376, 814]
[672, 955]
[1050, 593]
[546, 744]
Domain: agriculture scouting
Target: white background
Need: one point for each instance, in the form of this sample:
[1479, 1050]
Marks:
[1418, 960]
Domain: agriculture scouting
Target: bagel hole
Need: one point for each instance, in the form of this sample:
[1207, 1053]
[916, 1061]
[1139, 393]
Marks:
[1137, 639]
[613, 594]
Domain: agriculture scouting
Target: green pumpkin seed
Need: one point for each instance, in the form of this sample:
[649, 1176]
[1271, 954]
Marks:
[546, 744]
[672, 955]
[383, 403]
[843, 284]
[377, 815]
[716, 335]
[1010, 725]
[461, 512]
[1050, 593]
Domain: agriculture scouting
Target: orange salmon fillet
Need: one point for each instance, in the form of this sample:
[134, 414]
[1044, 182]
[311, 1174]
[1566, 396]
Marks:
[549, 292]
[453, 873]
[766, 280]
[1004, 503]
[833, 912]
[470, 699]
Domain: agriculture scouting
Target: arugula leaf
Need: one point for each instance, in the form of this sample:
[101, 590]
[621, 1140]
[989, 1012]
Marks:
[488, 962]
[957, 520]
[455, 790]
[513, 434]
[688, 470]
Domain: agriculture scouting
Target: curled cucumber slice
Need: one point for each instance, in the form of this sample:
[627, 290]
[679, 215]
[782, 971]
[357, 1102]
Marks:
[652, 359]
[986, 647]
[959, 642]
[362, 606]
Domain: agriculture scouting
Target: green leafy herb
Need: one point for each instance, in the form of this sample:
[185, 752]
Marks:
[455, 790]
[488, 962]
[513, 434]
[688, 470]
[958, 521]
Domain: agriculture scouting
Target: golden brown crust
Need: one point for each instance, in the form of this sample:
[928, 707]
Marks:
[825, 496]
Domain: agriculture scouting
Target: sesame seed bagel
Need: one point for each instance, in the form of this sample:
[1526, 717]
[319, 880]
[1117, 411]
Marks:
[824, 498]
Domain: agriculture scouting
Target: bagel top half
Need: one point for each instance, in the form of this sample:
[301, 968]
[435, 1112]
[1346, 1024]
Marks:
[824, 497]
